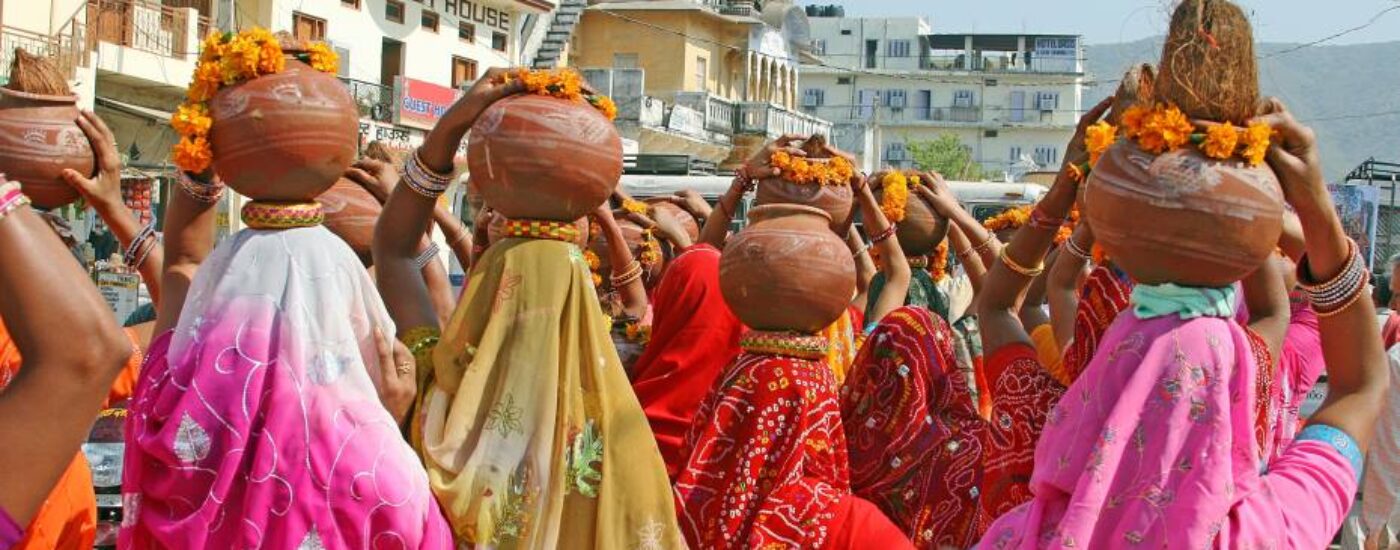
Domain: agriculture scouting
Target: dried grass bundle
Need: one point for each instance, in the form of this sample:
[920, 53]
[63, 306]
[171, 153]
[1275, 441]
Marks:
[377, 150]
[1208, 67]
[1135, 89]
[36, 75]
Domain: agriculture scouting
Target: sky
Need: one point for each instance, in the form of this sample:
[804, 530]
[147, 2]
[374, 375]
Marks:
[1112, 21]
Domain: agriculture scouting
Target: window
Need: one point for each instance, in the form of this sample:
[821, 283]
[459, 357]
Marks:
[463, 71]
[1046, 156]
[626, 61]
[466, 32]
[393, 10]
[843, 80]
[990, 133]
[352, 4]
[702, 73]
[498, 41]
[1015, 153]
[1047, 101]
[306, 27]
[819, 47]
[894, 152]
[897, 48]
[813, 97]
[896, 99]
[872, 50]
[430, 21]
[963, 98]
[845, 32]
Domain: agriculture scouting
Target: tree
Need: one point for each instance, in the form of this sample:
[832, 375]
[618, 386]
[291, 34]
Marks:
[946, 155]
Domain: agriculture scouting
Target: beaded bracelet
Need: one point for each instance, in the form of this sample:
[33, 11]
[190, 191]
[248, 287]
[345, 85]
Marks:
[420, 342]
[129, 256]
[424, 180]
[427, 256]
[883, 235]
[11, 198]
[207, 193]
[1020, 269]
[1077, 251]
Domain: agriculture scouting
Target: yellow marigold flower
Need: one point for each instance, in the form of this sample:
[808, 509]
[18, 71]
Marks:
[605, 105]
[1012, 218]
[192, 120]
[915, 180]
[650, 250]
[597, 280]
[205, 83]
[1256, 142]
[323, 58]
[1098, 138]
[1221, 141]
[591, 258]
[635, 206]
[193, 154]
[1133, 119]
[894, 197]
[212, 47]
[1174, 128]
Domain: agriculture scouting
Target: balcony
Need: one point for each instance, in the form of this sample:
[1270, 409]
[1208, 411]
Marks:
[936, 116]
[773, 121]
[375, 101]
[152, 28]
[65, 48]
[716, 113]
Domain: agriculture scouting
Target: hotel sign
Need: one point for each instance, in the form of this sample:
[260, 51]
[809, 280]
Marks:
[420, 104]
[466, 11]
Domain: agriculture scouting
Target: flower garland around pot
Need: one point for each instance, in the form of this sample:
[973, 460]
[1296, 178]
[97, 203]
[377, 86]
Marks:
[833, 171]
[564, 84]
[1164, 128]
[228, 59]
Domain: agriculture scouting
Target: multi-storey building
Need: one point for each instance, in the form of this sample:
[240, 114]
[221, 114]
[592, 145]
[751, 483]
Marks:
[1012, 99]
[712, 79]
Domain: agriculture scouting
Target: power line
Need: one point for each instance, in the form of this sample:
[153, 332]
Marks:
[1374, 19]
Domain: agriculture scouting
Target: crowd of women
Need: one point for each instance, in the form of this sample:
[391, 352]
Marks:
[288, 397]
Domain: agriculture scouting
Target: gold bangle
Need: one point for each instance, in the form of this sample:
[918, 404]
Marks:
[1020, 269]
[985, 244]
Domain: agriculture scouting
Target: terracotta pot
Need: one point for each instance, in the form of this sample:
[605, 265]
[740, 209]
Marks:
[1183, 218]
[39, 138]
[835, 200]
[663, 207]
[632, 233]
[496, 230]
[284, 137]
[922, 229]
[351, 213]
[536, 157]
[787, 271]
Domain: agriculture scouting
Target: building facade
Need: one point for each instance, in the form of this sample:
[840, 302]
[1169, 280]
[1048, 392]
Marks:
[712, 79]
[1011, 99]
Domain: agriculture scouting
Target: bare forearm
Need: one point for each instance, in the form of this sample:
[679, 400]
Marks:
[125, 228]
[189, 238]
[439, 288]
[892, 261]
[717, 224]
[398, 239]
[459, 238]
[971, 262]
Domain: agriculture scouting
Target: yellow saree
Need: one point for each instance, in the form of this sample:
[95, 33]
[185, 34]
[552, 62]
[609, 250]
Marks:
[528, 427]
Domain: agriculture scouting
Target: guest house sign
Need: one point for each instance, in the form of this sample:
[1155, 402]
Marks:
[466, 11]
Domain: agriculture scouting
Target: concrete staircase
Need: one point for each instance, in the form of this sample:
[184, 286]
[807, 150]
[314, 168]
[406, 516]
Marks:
[561, 30]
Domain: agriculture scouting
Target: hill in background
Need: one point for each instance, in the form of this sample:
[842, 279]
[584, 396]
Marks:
[1349, 94]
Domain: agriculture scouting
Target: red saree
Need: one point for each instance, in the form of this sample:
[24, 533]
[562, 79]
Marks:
[769, 462]
[1023, 395]
[694, 335]
[913, 431]
[1102, 297]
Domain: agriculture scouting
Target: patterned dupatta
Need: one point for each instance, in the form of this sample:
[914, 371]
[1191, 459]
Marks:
[913, 430]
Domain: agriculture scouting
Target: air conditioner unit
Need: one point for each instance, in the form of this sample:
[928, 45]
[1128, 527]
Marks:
[897, 101]
[1046, 102]
[809, 100]
[895, 155]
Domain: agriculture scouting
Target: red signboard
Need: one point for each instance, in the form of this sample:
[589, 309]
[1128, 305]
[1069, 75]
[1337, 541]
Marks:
[420, 104]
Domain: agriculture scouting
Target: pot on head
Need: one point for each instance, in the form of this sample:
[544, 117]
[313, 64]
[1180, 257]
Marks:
[39, 138]
[542, 158]
[351, 212]
[787, 271]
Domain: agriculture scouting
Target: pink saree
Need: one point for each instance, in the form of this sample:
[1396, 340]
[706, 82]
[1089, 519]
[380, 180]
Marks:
[1155, 443]
[256, 423]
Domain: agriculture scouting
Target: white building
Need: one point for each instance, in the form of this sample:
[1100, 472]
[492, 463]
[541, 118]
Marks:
[1012, 99]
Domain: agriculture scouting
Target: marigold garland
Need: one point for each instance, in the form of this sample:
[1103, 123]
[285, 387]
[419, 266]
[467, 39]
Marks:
[227, 59]
[1220, 141]
[649, 253]
[1011, 218]
[638, 333]
[635, 206]
[1165, 128]
[894, 196]
[565, 84]
[833, 171]
[1098, 138]
[938, 264]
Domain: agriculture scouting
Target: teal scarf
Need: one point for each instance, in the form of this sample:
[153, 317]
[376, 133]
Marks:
[1152, 301]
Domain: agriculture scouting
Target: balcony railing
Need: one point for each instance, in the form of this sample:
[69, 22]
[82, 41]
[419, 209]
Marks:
[871, 113]
[718, 113]
[143, 26]
[773, 121]
[65, 48]
[375, 101]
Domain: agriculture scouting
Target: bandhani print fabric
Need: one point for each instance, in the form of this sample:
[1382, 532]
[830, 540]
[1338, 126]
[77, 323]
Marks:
[913, 431]
[769, 464]
[1104, 295]
[1023, 394]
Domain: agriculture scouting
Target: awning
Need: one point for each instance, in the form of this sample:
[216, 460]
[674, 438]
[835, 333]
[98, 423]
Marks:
[143, 134]
[134, 110]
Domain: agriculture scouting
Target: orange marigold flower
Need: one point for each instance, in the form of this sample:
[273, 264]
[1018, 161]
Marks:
[635, 206]
[1011, 218]
[605, 105]
[938, 264]
[1174, 128]
[193, 155]
[1133, 119]
[1221, 141]
[205, 83]
[1098, 253]
[1098, 138]
[192, 120]
[323, 58]
[894, 196]
[1256, 142]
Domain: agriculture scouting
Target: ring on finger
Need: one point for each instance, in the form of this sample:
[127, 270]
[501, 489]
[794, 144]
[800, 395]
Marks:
[403, 368]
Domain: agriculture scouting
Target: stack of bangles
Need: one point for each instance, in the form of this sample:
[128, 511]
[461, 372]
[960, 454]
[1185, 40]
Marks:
[424, 180]
[140, 247]
[427, 256]
[1039, 220]
[628, 275]
[883, 235]
[11, 198]
[207, 193]
[1078, 251]
[1330, 298]
[1029, 272]
[991, 238]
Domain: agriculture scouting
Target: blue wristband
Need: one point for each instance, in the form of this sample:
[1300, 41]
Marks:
[1339, 440]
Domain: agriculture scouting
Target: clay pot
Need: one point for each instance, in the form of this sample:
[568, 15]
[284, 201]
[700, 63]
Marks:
[284, 137]
[351, 213]
[835, 200]
[662, 207]
[537, 157]
[922, 229]
[632, 233]
[39, 138]
[1183, 218]
[787, 271]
